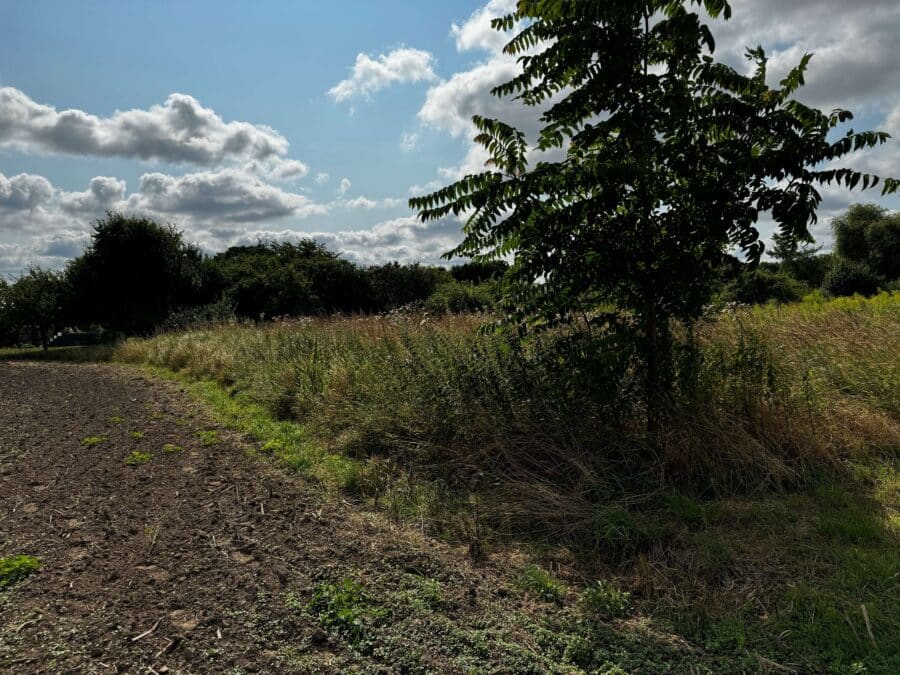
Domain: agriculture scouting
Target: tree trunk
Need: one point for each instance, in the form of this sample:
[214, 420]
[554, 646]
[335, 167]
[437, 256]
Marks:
[44, 341]
[653, 385]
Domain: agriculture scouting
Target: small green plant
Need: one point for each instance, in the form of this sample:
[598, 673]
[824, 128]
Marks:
[430, 593]
[172, 448]
[715, 559]
[539, 583]
[210, 437]
[137, 435]
[272, 446]
[91, 441]
[685, 509]
[116, 419]
[605, 600]
[137, 457]
[346, 609]
[17, 568]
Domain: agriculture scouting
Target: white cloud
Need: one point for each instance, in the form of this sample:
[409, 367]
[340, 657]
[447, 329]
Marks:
[322, 178]
[103, 193]
[403, 239]
[372, 75]
[278, 169]
[430, 186]
[369, 204]
[450, 105]
[853, 46]
[345, 185]
[24, 192]
[180, 130]
[229, 195]
[224, 198]
[48, 250]
[476, 32]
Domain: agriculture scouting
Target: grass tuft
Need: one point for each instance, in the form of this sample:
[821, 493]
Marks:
[17, 568]
[137, 458]
[539, 583]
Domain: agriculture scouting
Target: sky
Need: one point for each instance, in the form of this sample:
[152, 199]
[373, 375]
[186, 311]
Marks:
[237, 121]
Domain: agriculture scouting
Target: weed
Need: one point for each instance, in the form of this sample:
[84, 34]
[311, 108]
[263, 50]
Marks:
[207, 438]
[540, 584]
[137, 457]
[91, 441]
[116, 419]
[687, 510]
[346, 609]
[605, 600]
[17, 568]
[172, 448]
[137, 435]
[272, 446]
[715, 559]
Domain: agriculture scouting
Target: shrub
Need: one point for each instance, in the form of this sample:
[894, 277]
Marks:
[457, 297]
[848, 277]
[759, 286]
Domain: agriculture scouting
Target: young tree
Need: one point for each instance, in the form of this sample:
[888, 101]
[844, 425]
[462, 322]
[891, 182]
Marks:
[670, 158]
[33, 302]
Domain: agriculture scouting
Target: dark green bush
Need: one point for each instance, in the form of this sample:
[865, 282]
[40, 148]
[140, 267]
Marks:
[758, 286]
[458, 298]
[849, 277]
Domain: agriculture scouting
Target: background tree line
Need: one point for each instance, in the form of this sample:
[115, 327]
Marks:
[137, 276]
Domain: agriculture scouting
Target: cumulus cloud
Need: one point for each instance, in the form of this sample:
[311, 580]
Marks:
[369, 204]
[322, 178]
[24, 192]
[476, 32]
[345, 185]
[180, 130]
[278, 169]
[403, 239]
[450, 105]
[222, 199]
[853, 46]
[430, 186]
[231, 195]
[47, 250]
[372, 75]
[103, 193]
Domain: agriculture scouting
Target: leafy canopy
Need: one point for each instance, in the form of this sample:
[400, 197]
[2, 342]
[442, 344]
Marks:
[668, 159]
[134, 274]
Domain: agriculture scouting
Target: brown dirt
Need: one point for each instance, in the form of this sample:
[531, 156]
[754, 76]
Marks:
[209, 554]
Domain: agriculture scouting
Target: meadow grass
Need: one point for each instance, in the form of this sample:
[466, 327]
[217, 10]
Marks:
[765, 526]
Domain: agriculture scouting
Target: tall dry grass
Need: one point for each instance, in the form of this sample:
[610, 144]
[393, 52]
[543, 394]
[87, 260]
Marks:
[769, 394]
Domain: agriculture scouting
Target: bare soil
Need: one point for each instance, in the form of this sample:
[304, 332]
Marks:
[205, 559]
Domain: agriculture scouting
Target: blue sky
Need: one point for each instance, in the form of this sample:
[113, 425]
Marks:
[314, 117]
[271, 67]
